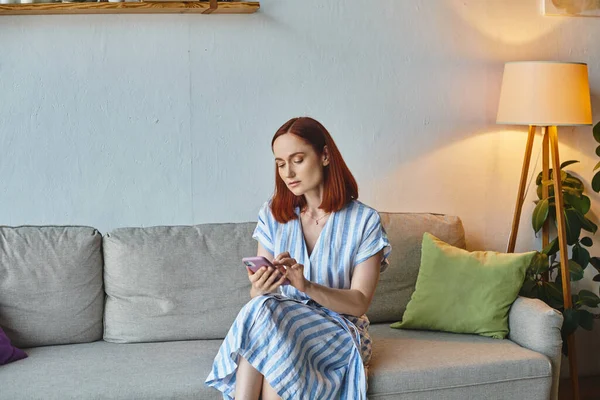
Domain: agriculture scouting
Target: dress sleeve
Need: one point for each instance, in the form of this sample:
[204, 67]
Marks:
[264, 227]
[374, 239]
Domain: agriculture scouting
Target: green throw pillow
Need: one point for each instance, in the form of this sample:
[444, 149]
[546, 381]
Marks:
[464, 292]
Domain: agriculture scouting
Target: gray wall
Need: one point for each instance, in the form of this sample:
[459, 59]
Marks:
[138, 120]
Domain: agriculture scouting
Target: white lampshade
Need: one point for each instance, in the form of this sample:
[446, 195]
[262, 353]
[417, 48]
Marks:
[545, 93]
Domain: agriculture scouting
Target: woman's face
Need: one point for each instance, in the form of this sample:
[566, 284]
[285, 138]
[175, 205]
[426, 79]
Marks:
[298, 165]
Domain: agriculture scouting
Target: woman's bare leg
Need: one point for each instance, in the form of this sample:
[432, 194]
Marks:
[268, 393]
[248, 381]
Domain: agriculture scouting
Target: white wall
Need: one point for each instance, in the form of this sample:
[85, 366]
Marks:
[138, 120]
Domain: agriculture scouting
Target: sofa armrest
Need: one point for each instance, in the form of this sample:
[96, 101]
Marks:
[536, 326]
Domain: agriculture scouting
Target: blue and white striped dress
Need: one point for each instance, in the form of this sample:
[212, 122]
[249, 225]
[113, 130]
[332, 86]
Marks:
[304, 350]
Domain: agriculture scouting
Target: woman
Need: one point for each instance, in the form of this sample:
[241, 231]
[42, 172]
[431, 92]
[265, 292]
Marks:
[307, 339]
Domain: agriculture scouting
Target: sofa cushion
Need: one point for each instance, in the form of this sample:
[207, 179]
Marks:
[464, 292]
[153, 294]
[436, 364]
[405, 233]
[101, 370]
[51, 284]
[175, 282]
[407, 365]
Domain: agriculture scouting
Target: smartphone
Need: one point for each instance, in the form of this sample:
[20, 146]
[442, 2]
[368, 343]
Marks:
[255, 263]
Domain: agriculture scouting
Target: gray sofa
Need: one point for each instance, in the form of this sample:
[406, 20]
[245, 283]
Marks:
[139, 313]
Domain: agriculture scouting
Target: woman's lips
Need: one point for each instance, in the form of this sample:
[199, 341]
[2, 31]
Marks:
[293, 184]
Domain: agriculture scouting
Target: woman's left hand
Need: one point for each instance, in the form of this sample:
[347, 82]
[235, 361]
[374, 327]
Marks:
[293, 271]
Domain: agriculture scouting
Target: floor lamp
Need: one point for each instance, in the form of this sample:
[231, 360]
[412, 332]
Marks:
[548, 95]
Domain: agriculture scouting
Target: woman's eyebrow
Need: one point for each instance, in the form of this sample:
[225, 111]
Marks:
[291, 155]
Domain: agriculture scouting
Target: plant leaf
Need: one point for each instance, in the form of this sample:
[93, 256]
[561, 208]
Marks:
[587, 204]
[596, 278]
[573, 181]
[573, 226]
[567, 163]
[580, 203]
[598, 151]
[586, 241]
[571, 190]
[585, 223]
[581, 256]
[571, 321]
[540, 214]
[597, 166]
[586, 319]
[596, 182]
[588, 298]
[595, 261]
[592, 226]
[554, 294]
[538, 178]
[596, 131]
[527, 288]
[575, 270]
[539, 263]
[551, 248]
[572, 200]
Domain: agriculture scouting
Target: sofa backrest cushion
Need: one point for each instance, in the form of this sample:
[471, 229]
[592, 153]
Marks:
[405, 233]
[188, 282]
[175, 282]
[51, 284]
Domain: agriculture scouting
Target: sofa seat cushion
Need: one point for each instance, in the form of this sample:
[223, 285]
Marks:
[405, 364]
[102, 370]
[428, 364]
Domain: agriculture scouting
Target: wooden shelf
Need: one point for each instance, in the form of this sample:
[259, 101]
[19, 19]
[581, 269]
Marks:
[141, 7]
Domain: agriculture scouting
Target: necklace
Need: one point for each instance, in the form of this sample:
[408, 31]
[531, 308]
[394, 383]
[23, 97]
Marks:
[316, 219]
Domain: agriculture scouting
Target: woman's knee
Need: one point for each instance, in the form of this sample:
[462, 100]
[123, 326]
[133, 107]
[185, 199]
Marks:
[268, 393]
[259, 308]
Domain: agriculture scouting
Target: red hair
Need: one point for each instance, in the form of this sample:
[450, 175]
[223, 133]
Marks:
[340, 187]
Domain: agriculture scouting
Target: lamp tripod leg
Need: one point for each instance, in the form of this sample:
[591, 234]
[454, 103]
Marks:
[564, 260]
[545, 189]
[519, 205]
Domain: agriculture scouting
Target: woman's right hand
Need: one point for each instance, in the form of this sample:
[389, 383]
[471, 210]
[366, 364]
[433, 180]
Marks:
[265, 280]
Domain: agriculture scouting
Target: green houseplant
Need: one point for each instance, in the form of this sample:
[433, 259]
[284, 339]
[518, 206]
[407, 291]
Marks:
[543, 278]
